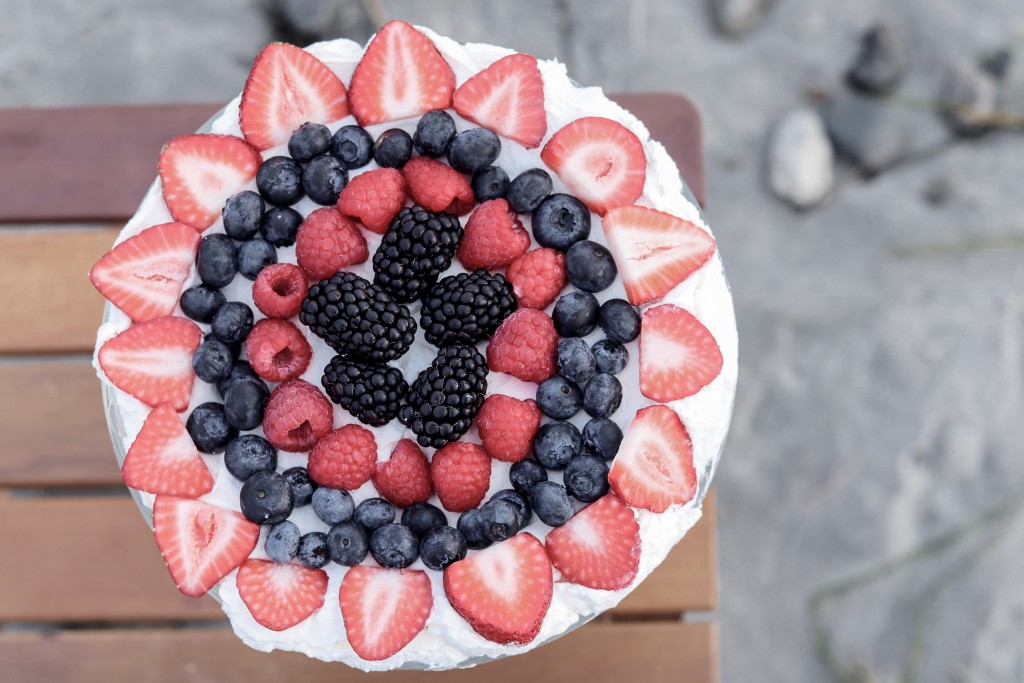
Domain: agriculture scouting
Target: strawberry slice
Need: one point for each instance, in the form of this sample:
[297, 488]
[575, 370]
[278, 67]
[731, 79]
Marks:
[383, 609]
[200, 172]
[201, 543]
[654, 466]
[287, 87]
[152, 361]
[600, 160]
[400, 75]
[143, 275]
[678, 355]
[503, 591]
[163, 458]
[508, 98]
[653, 250]
[278, 595]
[599, 547]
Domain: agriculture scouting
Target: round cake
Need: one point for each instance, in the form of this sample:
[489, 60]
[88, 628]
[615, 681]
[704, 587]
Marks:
[417, 355]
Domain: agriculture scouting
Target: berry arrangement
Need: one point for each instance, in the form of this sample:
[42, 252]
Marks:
[523, 300]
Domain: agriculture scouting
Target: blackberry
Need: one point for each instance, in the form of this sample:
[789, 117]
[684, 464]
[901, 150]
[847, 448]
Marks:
[466, 308]
[372, 392]
[417, 247]
[445, 397]
[356, 317]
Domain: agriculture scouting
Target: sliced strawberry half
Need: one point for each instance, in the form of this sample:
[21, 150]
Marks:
[599, 547]
[600, 160]
[287, 87]
[200, 172]
[654, 250]
[503, 591]
[508, 98]
[143, 275]
[163, 458]
[678, 355]
[152, 361]
[400, 75]
[383, 609]
[654, 466]
[201, 543]
[278, 595]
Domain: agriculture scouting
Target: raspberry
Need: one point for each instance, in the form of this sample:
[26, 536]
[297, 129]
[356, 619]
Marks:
[327, 242]
[537, 277]
[297, 416]
[405, 478]
[374, 197]
[461, 472]
[277, 351]
[344, 459]
[494, 237]
[279, 290]
[507, 426]
[437, 187]
[524, 346]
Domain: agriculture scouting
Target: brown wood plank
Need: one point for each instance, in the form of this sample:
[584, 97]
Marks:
[46, 272]
[599, 653]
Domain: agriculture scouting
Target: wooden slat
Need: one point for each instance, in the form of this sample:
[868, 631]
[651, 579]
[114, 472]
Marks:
[116, 573]
[46, 274]
[597, 653]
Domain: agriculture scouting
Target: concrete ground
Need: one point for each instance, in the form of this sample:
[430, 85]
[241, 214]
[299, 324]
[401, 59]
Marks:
[871, 491]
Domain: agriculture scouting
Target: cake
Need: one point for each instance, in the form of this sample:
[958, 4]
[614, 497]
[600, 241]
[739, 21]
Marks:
[418, 355]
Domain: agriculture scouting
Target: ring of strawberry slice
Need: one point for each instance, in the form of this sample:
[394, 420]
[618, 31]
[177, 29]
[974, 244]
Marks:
[503, 591]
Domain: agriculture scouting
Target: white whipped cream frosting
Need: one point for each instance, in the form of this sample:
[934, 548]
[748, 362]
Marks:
[447, 640]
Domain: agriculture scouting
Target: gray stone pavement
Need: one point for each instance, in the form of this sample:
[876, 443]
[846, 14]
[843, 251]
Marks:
[870, 494]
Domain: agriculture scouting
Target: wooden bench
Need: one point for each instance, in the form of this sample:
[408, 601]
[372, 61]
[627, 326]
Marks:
[84, 595]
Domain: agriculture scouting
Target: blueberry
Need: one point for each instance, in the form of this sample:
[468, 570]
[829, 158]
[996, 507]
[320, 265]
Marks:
[353, 145]
[522, 506]
[601, 437]
[589, 266]
[490, 182]
[422, 517]
[244, 404]
[471, 526]
[575, 360]
[619, 320]
[552, 503]
[241, 214]
[324, 178]
[333, 506]
[610, 356]
[348, 544]
[393, 545]
[234, 348]
[441, 547]
[473, 149]
[282, 541]
[499, 519]
[434, 132]
[586, 478]
[280, 224]
[216, 261]
[525, 474]
[308, 141]
[555, 443]
[201, 303]
[302, 485]
[249, 454]
[602, 395]
[254, 256]
[209, 428]
[241, 370]
[212, 361]
[313, 550]
[232, 323]
[266, 498]
[559, 398]
[374, 513]
[279, 180]
[393, 148]
[575, 314]
[528, 190]
[561, 221]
